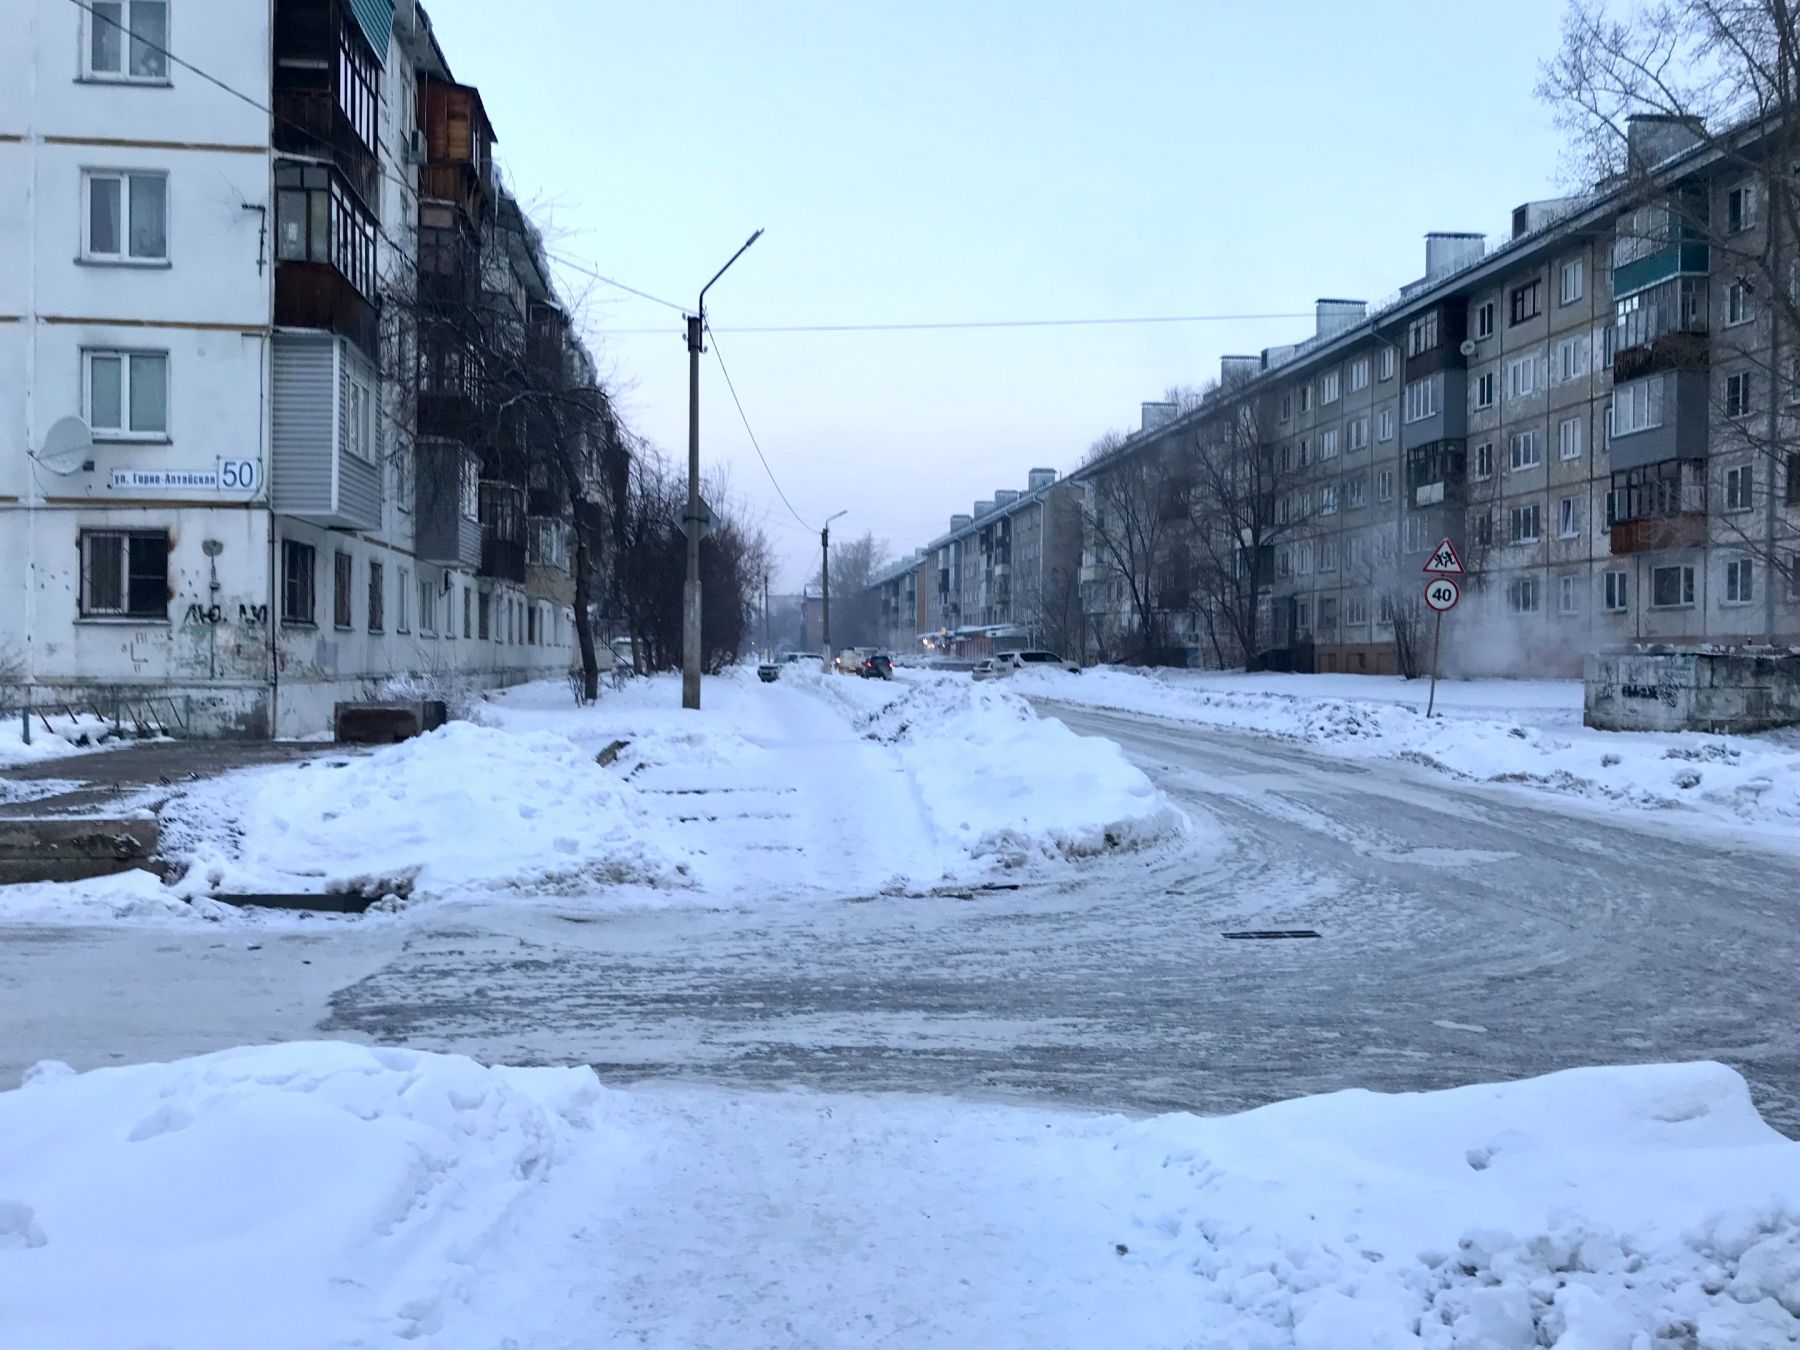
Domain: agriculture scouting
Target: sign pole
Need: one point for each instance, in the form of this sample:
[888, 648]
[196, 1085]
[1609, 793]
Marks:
[1437, 631]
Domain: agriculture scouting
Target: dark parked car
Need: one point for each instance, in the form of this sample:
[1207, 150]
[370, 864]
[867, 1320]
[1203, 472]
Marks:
[877, 666]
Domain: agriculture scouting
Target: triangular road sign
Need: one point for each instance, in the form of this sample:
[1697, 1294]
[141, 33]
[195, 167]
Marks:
[1444, 559]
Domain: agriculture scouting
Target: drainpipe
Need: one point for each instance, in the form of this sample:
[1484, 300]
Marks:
[1773, 571]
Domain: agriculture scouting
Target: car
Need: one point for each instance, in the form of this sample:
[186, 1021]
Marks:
[877, 666]
[1006, 663]
[986, 670]
[794, 658]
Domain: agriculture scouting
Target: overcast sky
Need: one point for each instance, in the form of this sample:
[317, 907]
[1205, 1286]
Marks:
[938, 162]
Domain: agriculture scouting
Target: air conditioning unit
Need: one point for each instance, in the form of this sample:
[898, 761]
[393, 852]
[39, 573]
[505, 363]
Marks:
[415, 146]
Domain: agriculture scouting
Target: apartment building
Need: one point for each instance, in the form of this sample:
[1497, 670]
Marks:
[248, 479]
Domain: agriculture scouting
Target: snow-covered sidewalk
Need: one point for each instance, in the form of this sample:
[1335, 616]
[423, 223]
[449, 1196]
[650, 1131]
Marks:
[319, 1194]
[1522, 732]
[811, 786]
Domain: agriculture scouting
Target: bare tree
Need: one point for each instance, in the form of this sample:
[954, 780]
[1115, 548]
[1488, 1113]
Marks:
[1133, 505]
[855, 608]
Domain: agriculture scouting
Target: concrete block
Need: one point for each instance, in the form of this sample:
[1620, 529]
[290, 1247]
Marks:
[71, 848]
[1668, 689]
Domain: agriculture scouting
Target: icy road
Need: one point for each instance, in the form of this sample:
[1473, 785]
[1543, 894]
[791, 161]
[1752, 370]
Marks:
[1465, 934]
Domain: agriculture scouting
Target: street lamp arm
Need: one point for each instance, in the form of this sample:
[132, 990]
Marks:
[701, 309]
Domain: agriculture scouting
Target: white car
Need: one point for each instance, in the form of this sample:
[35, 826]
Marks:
[997, 667]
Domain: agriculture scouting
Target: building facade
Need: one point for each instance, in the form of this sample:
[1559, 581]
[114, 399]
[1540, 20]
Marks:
[241, 484]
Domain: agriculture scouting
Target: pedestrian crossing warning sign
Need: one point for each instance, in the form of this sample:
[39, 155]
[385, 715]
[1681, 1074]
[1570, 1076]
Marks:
[1444, 559]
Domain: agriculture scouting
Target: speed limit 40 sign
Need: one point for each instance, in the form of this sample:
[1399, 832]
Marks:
[1441, 594]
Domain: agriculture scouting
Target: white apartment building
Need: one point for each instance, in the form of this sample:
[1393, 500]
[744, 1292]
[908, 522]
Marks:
[232, 529]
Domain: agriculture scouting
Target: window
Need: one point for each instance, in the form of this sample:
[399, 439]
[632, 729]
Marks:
[1526, 453]
[1328, 499]
[1568, 595]
[1306, 398]
[1526, 303]
[1328, 444]
[359, 419]
[340, 589]
[1521, 376]
[1572, 358]
[1422, 399]
[1738, 305]
[127, 217]
[1384, 485]
[1484, 460]
[1287, 406]
[1637, 407]
[427, 610]
[297, 581]
[1526, 521]
[1484, 390]
[1303, 559]
[1671, 587]
[1422, 334]
[468, 612]
[1328, 387]
[1738, 488]
[1356, 552]
[127, 40]
[484, 605]
[1284, 562]
[1415, 534]
[1328, 555]
[531, 626]
[317, 220]
[1384, 425]
[1484, 320]
[1740, 209]
[126, 394]
[1356, 611]
[1568, 518]
[1384, 364]
[1484, 528]
[1737, 394]
[1615, 591]
[1303, 454]
[402, 599]
[125, 574]
[1356, 491]
[1793, 478]
[1327, 613]
[1569, 279]
[356, 97]
[1568, 438]
[1285, 458]
[1357, 433]
[377, 600]
[1522, 595]
[1359, 374]
[1740, 581]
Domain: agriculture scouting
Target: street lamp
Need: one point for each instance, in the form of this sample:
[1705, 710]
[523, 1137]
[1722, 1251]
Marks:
[825, 579]
[690, 592]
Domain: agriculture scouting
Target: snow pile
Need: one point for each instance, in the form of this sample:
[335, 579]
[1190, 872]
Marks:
[322, 1194]
[1003, 781]
[1751, 780]
[465, 809]
[291, 1196]
[56, 736]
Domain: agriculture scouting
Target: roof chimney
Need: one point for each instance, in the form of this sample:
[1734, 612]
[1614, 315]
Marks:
[1334, 316]
[1156, 415]
[983, 507]
[960, 522]
[1650, 138]
[1236, 369]
[1040, 478]
[1448, 251]
[1005, 497]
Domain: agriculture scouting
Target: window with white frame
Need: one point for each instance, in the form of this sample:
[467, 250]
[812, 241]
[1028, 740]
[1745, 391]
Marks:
[1284, 562]
[1328, 444]
[1422, 334]
[1328, 555]
[1384, 364]
[1484, 320]
[1740, 208]
[1356, 551]
[1526, 524]
[1384, 425]
[1740, 581]
[1525, 302]
[126, 217]
[427, 609]
[403, 601]
[1359, 374]
[1356, 491]
[1615, 592]
[1739, 488]
[1526, 453]
[359, 419]
[1637, 406]
[1521, 376]
[1739, 307]
[1384, 543]
[1672, 587]
[1568, 438]
[1303, 559]
[1522, 595]
[1572, 358]
[1422, 399]
[1415, 534]
[127, 40]
[1485, 388]
[125, 574]
[1384, 485]
[1287, 406]
[1568, 518]
[1356, 432]
[1737, 394]
[1328, 387]
[1306, 398]
[1568, 595]
[1356, 611]
[1484, 460]
[1328, 499]
[125, 394]
[1569, 281]
[1484, 528]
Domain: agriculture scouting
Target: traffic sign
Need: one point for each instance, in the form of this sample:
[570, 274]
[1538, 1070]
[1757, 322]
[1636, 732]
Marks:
[1441, 594]
[1444, 558]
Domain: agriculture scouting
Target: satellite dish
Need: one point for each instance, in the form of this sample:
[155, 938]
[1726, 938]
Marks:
[1468, 347]
[66, 446]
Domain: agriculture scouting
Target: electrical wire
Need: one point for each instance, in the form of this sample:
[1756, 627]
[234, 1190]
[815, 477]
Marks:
[958, 324]
[587, 271]
[720, 357]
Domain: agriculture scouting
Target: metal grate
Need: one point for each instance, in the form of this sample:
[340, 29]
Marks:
[1269, 934]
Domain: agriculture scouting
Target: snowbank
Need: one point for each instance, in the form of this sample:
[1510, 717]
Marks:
[323, 1194]
[1489, 732]
[65, 735]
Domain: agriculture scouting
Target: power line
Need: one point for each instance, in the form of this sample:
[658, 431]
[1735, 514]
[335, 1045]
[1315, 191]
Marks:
[720, 357]
[587, 271]
[953, 324]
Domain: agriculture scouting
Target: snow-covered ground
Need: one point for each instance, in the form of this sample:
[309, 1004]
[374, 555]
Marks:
[814, 785]
[54, 736]
[1524, 732]
[319, 1194]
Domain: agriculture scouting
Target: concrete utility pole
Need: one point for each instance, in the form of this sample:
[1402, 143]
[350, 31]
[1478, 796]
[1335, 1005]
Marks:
[825, 582]
[768, 643]
[690, 592]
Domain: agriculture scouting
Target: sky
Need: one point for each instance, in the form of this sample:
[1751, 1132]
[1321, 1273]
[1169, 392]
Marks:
[943, 162]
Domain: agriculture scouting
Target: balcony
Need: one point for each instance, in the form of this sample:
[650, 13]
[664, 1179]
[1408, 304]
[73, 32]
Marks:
[309, 122]
[446, 531]
[324, 461]
[1686, 530]
[546, 338]
[1669, 351]
[459, 142]
[317, 295]
[1687, 258]
[502, 514]
[1658, 506]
